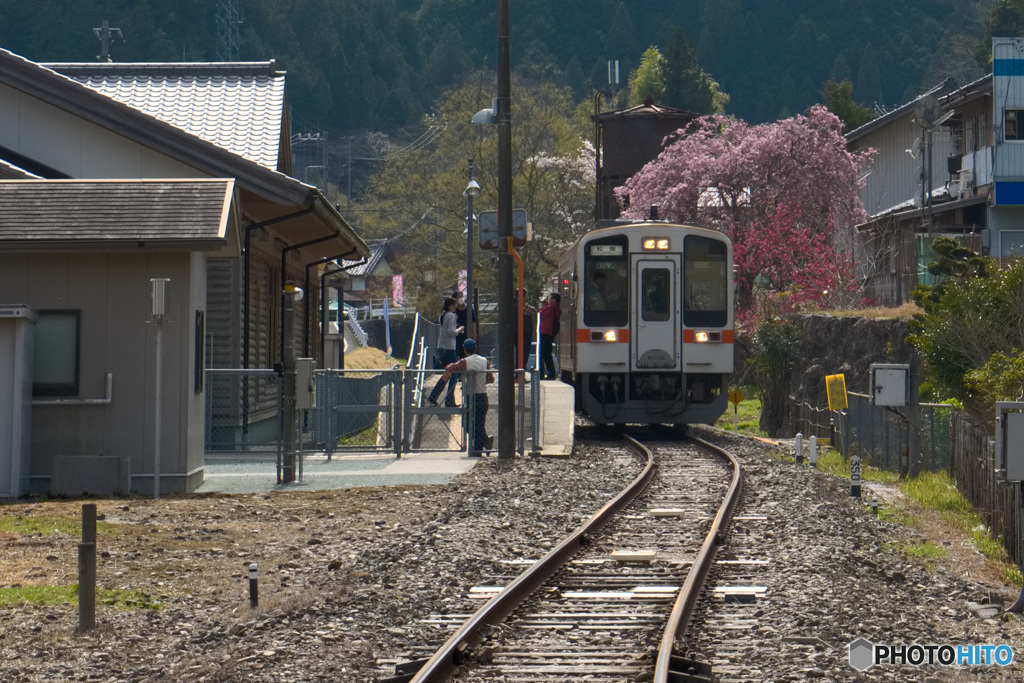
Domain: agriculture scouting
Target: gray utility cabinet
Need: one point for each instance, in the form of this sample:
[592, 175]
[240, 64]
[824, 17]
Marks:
[16, 329]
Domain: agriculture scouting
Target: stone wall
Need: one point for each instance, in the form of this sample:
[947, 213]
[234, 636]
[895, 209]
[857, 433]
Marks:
[833, 345]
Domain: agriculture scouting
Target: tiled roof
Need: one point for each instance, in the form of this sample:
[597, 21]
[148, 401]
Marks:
[318, 226]
[114, 214]
[939, 90]
[238, 106]
[649, 109]
[378, 252]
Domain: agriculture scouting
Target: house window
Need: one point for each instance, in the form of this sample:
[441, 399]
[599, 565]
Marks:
[1013, 124]
[55, 355]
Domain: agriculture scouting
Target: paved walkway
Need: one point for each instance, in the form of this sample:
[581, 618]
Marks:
[258, 473]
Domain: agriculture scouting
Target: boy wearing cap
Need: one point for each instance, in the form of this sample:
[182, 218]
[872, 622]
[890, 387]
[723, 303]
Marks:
[479, 376]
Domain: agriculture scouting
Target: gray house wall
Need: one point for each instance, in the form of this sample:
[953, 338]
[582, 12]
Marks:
[63, 129]
[900, 153]
[112, 291]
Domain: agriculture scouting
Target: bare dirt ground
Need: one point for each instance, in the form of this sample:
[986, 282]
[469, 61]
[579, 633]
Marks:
[191, 554]
[963, 558]
[202, 546]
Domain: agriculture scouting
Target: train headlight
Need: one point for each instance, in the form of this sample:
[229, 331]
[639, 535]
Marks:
[702, 337]
[655, 244]
[611, 336]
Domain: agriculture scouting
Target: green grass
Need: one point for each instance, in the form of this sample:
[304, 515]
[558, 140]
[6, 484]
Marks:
[936, 491]
[933, 491]
[831, 461]
[44, 525]
[366, 437]
[925, 550]
[896, 515]
[58, 595]
[747, 413]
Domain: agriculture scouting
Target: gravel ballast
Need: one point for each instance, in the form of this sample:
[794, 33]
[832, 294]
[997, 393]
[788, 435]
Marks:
[346, 576]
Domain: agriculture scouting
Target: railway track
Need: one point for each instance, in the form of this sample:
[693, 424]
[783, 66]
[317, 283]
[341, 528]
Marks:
[611, 600]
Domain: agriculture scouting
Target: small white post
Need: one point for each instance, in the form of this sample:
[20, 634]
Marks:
[799, 448]
[814, 451]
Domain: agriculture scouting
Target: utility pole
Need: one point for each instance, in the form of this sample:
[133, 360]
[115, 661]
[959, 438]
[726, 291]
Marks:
[598, 144]
[105, 33]
[506, 322]
[287, 471]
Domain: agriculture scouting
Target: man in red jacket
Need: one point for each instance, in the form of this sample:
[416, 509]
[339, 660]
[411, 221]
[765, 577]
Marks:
[550, 317]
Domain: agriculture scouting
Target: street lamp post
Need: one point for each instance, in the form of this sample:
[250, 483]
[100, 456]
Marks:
[472, 190]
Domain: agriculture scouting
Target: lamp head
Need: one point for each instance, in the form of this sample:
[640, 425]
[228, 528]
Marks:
[472, 190]
[487, 115]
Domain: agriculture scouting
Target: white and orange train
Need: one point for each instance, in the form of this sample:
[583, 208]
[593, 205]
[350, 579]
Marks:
[646, 334]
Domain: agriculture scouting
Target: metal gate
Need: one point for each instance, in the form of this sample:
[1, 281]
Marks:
[356, 412]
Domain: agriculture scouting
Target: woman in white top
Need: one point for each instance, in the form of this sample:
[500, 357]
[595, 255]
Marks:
[446, 353]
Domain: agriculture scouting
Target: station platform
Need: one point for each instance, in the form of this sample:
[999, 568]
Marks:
[242, 474]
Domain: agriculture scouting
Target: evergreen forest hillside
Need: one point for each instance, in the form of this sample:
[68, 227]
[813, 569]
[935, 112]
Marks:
[378, 65]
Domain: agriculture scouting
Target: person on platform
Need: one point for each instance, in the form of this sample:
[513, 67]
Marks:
[446, 353]
[479, 375]
[550, 317]
[465, 317]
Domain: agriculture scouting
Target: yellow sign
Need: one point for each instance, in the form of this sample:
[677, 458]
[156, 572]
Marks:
[835, 385]
[735, 398]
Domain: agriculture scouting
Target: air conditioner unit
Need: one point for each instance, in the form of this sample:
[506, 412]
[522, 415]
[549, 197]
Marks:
[966, 182]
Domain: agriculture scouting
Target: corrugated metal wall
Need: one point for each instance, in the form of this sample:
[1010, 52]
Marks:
[1008, 94]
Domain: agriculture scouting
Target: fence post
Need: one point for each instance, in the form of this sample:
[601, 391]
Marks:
[87, 570]
[535, 405]
[408, 383]
[398, 401]
[915, 419]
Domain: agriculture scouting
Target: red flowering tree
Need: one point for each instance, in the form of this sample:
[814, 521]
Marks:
[785, 192]
[795, 261]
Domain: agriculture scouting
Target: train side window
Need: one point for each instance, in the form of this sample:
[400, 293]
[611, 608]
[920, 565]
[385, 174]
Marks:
[705, 282]
[656, 294]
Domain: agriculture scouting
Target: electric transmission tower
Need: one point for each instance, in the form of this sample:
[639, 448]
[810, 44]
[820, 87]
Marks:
[229, 18]
[105, 34]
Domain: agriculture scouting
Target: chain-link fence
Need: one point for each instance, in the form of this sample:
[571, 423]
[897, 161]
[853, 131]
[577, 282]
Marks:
[243, 411]
[356, 410]
[365, 411]
[370, 411]
[880, 434]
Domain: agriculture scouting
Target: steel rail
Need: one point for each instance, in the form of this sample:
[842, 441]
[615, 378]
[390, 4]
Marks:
[679, 619]
[442, 665]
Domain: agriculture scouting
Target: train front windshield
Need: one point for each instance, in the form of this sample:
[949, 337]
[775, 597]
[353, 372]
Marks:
[606, 282]
[705, 282]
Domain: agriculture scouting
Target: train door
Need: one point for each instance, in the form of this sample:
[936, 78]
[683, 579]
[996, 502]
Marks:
[655, 343]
